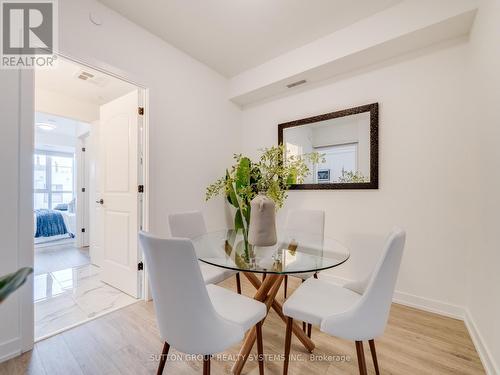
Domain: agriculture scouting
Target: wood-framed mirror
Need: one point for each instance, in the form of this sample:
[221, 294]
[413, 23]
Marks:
[347, 141]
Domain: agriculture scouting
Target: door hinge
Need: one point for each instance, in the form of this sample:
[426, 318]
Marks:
[83, 149]
[140, 188]
[83, 230]
[140, 110]
[83, 190]
[140, 266]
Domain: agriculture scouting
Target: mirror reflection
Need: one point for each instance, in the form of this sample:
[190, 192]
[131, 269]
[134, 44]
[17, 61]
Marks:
[343, 141]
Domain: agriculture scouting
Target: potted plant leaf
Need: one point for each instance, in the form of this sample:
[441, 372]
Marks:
[13, 281]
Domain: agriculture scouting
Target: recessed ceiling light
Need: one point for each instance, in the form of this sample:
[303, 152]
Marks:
[45, 126]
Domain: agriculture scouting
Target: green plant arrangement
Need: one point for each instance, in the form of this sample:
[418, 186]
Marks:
[352, 177]
[272, 175]
[11, 282]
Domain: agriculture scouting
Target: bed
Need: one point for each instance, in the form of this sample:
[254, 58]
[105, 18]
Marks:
[51, 225]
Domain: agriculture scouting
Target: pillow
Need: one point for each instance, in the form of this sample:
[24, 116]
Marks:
[71, 205]
[61, 207]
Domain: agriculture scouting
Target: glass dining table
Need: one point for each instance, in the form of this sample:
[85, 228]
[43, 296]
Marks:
[294, 253]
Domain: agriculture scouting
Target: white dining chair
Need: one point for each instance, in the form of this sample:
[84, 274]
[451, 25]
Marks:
[344, 313]
[191, 224]
[195, 318]
[305, 226]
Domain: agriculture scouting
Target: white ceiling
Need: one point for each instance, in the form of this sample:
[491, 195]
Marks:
[62, 125]
[232, 36]
[64, 80]
[62, 137]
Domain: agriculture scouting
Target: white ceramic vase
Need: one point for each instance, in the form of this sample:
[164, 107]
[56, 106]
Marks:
[262, 231]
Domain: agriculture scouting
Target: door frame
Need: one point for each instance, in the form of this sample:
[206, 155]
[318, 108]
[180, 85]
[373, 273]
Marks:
[82, 174]
[143, 214]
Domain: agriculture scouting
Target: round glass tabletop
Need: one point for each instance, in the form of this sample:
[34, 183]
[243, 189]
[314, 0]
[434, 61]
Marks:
[293, 253]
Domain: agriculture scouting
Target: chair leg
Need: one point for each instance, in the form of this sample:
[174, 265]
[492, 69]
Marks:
[206, 365]
[361, 358]
[238, 283]
[304, 325]
[286, 286]
[308, 331]
[374, 356]
[315, 275]
[288, 343]
[163, 358]
[260, 348]
[264, 276]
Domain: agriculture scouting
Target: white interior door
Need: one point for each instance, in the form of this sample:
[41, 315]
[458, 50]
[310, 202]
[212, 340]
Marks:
[118, 165]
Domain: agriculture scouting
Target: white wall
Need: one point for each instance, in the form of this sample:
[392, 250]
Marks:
[62, 105]
[62, 142]
[423, 169]
[483, 274]
[188, 110]
[193, 128]
[439, 174]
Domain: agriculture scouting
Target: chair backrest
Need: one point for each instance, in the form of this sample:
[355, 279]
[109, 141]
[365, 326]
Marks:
[186, 317]
[368, 318]
[306, 221]
[307, 227]
[187, 224]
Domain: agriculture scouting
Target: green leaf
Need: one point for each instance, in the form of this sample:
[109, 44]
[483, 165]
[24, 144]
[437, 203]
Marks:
[11, 282]
[246, 213]
[292, 176]
[231, 194]
[243, 173]
[238, 220]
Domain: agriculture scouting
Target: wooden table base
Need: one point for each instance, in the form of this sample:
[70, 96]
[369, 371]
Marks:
[266, 293]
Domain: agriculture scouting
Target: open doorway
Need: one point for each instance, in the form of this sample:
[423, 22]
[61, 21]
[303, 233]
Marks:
[88, 173]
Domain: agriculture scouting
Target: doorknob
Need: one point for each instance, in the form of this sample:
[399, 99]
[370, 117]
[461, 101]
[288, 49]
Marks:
[100, 201]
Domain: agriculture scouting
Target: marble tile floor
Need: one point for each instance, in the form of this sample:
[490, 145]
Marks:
[59, 255]
[71, 296]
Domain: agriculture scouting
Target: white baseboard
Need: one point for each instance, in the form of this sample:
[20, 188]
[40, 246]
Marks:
[487, 359]
[421, 303]
[429, 305]
[10, 349]
[441, 308]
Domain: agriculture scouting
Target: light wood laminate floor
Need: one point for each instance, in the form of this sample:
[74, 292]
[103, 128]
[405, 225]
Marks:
[127, 342]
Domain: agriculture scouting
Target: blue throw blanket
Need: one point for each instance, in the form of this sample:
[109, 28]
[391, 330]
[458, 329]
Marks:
[49, 223]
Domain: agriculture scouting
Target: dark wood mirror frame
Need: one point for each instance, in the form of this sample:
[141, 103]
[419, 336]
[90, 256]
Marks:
[373, 183]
